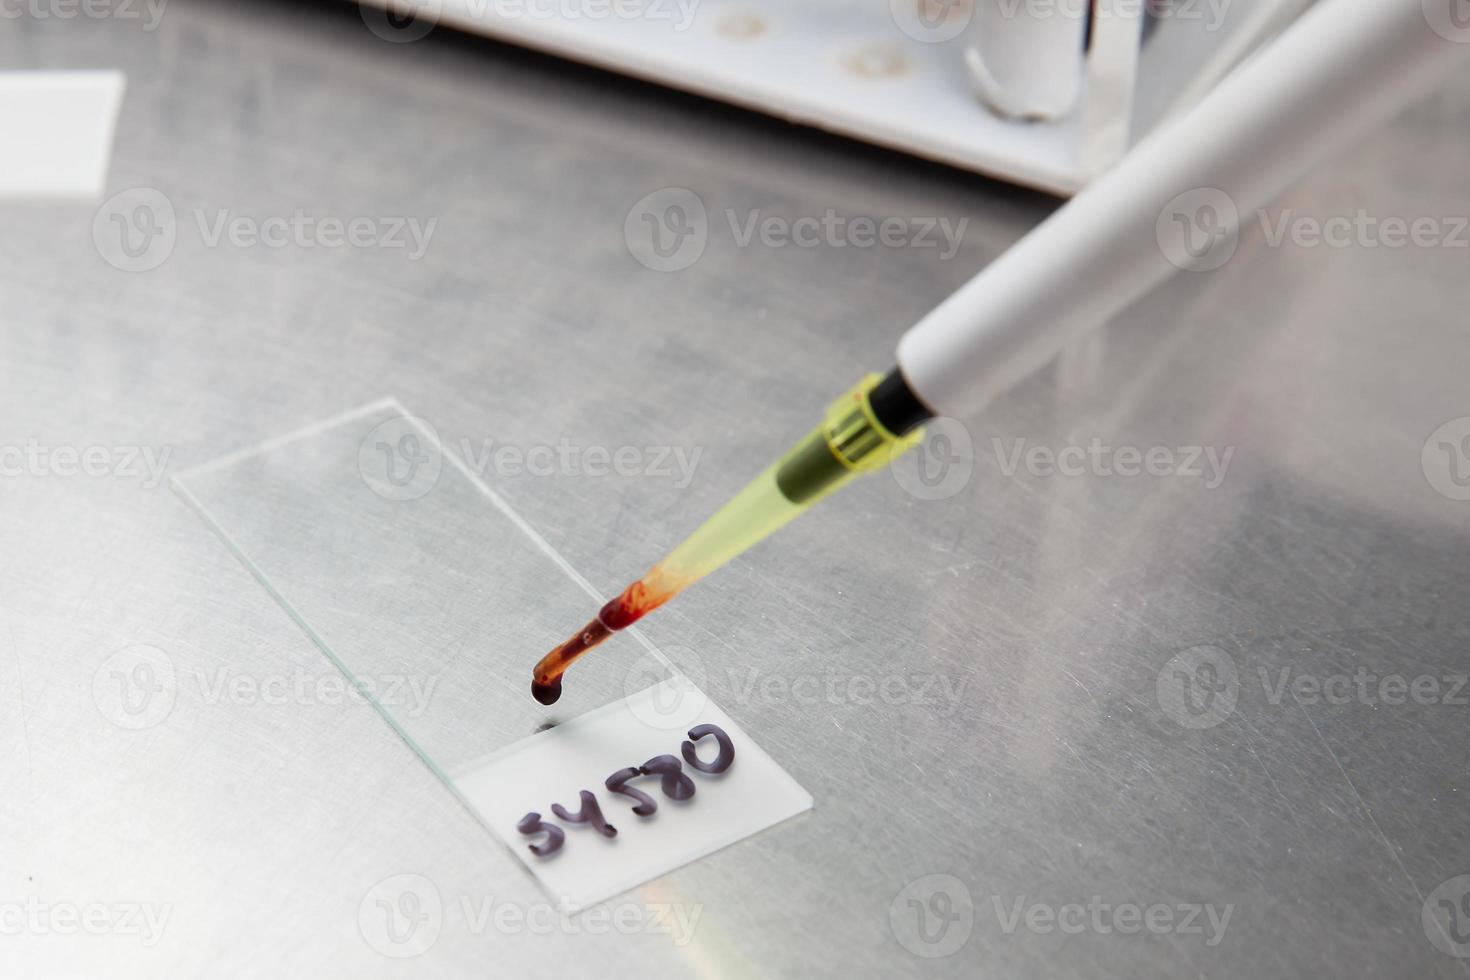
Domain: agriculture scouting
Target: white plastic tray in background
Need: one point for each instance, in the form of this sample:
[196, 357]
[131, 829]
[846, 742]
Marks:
[846, 66]
[843, 67]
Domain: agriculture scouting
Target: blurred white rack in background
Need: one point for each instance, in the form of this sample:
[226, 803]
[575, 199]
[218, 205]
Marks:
[906, 74]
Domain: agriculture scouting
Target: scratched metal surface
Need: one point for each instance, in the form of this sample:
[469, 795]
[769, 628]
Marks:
[988, 686]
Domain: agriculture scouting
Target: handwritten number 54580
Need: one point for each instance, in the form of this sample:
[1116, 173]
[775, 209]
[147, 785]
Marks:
[673, 781]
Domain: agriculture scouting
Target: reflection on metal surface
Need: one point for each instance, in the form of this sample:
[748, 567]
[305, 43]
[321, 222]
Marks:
[1046, 607]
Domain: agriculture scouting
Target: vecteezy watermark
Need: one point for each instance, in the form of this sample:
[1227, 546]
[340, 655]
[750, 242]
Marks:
[936, 21]
[138, 686]
[933, 21]
[1199, 230]
[1198, 688]
[1445, 459]
[1202, 687]
[1364, 686]
[678, 14]
[135, 687]
[403, 916]
[668, 230]
[400, 459]
[932, 916]
[407, 695]
[144, 920]
[1099, 917]
[937, 694]
[1360, 229]
[944, 463]
[137, 230]
[145, 464]
[940, 466]
[1206, 463]
[676, 920]
[675, 463]
[679, 698]
[149, 13]
[303, 230]
[1211, 13]
[1450, 19]
[1446, 917]
[402, 21]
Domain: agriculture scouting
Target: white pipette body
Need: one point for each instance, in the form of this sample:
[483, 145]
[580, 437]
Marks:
[1342, 67]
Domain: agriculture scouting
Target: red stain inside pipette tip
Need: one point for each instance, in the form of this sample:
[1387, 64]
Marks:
[636, 601]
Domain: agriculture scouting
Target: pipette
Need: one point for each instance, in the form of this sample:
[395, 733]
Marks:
[1342, 67]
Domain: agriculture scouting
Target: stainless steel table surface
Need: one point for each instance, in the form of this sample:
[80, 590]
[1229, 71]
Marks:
[1024, 687]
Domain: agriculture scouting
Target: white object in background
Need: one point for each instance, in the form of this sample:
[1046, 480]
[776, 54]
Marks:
[1196, 42]
[1027, 62]
[890, 72]
[555, 765]
[1177, 200]
[56, 132]
[1112, 81]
